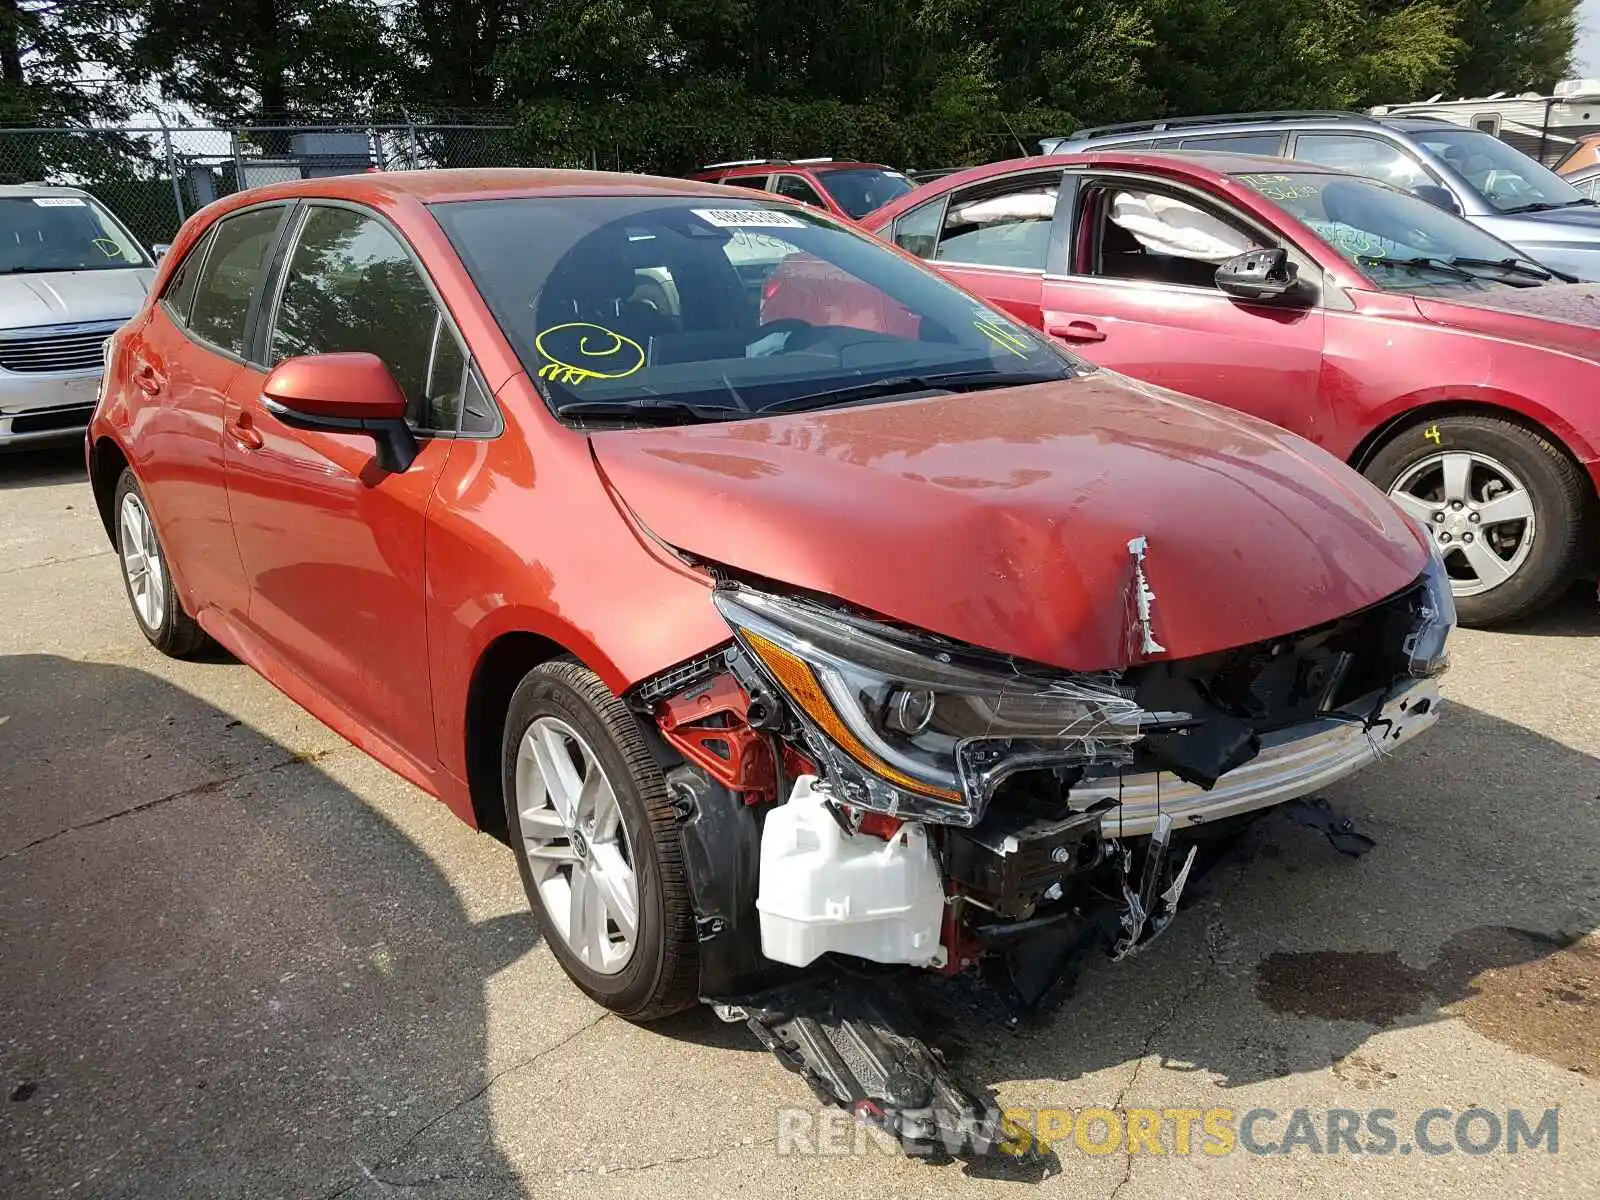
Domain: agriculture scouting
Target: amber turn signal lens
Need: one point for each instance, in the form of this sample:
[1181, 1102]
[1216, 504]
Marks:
[797, 678]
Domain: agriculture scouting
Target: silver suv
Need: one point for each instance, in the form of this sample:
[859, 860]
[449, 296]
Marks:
[70, 274]
[1491, 184]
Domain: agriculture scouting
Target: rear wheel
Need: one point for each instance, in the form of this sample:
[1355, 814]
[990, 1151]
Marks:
[597, 844]
[146, 577]
[1505, 506]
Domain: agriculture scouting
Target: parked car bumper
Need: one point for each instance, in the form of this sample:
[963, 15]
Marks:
[49, 381]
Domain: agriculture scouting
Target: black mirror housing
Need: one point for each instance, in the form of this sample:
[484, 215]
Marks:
[1264, 276]
[1439, 197]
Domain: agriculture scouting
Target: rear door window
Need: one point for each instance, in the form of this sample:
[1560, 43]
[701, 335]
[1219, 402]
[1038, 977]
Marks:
[1004, 224]
[179, 296]
[228, 281]
[1268, 144]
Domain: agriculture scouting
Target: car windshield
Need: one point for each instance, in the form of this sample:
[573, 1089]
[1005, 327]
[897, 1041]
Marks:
[620, 305]
[860, 190]
[1399, 241]
[62, 233]
[1501, 174]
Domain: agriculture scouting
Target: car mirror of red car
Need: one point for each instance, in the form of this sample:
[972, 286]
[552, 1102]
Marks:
[1263, 276]
[343, 393]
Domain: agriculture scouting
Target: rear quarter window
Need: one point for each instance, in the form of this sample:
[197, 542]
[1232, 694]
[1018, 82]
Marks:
[179, 294]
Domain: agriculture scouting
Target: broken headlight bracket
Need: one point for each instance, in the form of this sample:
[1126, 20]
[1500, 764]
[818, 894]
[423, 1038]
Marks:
[912, 726]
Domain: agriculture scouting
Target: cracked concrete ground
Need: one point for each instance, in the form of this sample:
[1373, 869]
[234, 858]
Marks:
[239, 959]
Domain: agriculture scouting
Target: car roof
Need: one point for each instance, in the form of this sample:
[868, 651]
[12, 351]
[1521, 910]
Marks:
[39, 189]
[484, 183]
[779, 166]
[1260, 123]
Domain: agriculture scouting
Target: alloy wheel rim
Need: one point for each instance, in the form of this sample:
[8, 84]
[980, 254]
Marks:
[141, 562]
[1478, 511]
[577, 845]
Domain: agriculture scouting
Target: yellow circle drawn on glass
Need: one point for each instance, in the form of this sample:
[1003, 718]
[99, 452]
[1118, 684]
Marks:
[559, 371]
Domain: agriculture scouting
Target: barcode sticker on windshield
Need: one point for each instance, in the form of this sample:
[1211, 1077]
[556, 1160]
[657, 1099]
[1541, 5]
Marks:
[748, 218]
[58, 202]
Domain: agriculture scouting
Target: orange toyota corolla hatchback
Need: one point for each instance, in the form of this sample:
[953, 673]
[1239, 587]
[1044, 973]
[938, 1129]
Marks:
[780, 603]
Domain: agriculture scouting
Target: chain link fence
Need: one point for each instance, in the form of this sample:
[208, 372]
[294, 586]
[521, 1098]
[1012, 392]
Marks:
[153, 178]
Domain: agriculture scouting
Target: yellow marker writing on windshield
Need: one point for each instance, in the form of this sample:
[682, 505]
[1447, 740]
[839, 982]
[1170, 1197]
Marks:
[580, 350]
[1001, 336]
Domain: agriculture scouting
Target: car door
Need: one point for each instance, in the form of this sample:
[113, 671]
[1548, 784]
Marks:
[996, 237]
[183, 360]
[1140, 297]
[332, 545]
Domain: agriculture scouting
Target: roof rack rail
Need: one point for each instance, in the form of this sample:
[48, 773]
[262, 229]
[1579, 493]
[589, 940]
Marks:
[752, 162]
[824, 159]
[1161, 124]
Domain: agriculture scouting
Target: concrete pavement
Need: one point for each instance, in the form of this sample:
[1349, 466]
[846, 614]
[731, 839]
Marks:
[239, 959]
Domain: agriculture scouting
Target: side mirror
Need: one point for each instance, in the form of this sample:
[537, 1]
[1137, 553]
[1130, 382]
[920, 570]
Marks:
[343, 393]
[1439, 197]
[158, 250]
[1262, 276]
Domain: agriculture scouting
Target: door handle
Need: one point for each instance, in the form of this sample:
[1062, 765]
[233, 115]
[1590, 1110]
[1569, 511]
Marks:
[148, 380]
[242, 429]
[1072, 329]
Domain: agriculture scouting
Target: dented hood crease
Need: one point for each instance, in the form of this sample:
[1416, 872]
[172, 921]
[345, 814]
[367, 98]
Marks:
[1002, 518]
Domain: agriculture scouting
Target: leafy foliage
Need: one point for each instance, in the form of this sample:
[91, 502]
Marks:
[663, 84]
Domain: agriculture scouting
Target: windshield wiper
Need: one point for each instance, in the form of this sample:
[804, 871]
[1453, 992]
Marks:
[1420, 262]
[659, 411]
[1546, 206]
[1520, 265]
[959, 381]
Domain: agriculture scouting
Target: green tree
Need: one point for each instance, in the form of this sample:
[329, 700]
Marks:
[1514, 45]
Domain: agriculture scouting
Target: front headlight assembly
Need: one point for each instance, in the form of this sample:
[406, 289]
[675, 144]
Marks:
[908, 725]
[1426, 649]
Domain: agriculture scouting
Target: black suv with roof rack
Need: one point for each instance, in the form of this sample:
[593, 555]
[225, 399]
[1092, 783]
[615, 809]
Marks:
[1468, 171]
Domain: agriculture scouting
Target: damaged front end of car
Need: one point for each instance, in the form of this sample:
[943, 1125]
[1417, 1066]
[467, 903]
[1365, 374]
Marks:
[854, 792]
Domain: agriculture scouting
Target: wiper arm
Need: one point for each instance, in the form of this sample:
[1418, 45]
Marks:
[1521, 266]
[1547, 205]
[1419, 262]
[960, 381]
[656, 411]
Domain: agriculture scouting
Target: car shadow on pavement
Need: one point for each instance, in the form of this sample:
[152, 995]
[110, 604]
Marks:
[1576, 614]
[45, 467]
[225, 974]
[1480, 903]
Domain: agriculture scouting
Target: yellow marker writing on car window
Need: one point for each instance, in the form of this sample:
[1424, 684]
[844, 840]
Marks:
[107, 247]
[1001, 336]
[579, 351]
[1433, 435]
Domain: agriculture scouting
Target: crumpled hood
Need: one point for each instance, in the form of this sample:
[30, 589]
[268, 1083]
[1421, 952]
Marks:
[1002, 519]
[67, 297]
[1561, 316]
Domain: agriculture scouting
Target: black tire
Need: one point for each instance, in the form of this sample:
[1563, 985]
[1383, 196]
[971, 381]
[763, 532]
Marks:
[662, 977]
[175, 633]
[1560, 494]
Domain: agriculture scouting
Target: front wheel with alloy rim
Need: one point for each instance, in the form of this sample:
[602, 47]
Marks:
[147, 578]
[597, 844]
[1505, 507]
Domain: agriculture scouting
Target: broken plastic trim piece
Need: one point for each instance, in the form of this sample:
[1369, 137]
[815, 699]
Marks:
[852, 1045]
[975, 716]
